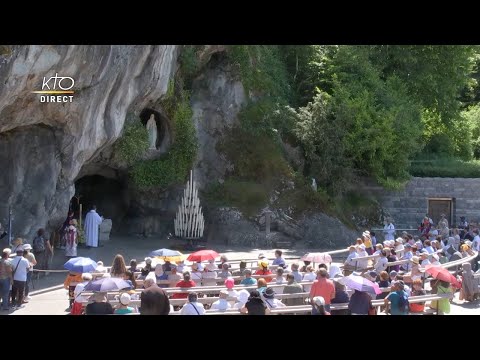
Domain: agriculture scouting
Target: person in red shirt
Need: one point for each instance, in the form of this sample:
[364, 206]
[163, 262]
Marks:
[322, 287]
[263, 270]
[185, 283]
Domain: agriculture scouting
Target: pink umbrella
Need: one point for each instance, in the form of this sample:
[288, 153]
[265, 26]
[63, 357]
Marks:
[317, 258]
[203, 255]
[360, 283]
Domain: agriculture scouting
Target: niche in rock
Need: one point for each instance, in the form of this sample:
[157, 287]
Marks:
[162, 124]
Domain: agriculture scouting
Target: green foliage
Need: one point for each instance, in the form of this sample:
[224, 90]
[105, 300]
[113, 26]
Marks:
[248, 196]
[134, 142]
[174, 166]
[262, 70]
[446, 167]
[255, 158]
[381, 121]
[472, 128]
[189, 63]
[356, 209]
[434, 74]
[303, 198]
[309, 67]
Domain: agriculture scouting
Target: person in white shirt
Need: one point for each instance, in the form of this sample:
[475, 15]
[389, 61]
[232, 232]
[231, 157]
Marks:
[279, 280]
[381, 264]
[432, 235]
[424, 257]
[435, 259]
[192, 307]
[230, 283]
[196, 274]
[398, 246]
[352, 254]
[389, 230]
[407, 256]
[20, 267]
[428, 247]
[269, 299]
[309, 276]
[242, 299]
[362, 264]
[379, 248]
[476, 241]
[79, 299]
[222, 303]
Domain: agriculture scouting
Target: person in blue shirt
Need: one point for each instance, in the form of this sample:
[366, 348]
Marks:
[248, 281]
[278, 259]
[396, 298]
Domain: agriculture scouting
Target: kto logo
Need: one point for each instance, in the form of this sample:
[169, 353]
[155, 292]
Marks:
[54, 86]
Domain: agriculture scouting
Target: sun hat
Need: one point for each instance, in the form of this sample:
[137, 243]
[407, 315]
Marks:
[263, 263]
[243, 296]
[269, 293]
[125, 299]
[318, 300]
[229, 283]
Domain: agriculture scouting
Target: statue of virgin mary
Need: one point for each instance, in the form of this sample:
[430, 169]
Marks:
[152, 132]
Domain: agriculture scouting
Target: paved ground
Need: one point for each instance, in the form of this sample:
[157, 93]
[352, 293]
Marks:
[49, 297]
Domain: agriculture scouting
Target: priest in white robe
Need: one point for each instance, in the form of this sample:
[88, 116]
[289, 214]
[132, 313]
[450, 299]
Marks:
[92, 222]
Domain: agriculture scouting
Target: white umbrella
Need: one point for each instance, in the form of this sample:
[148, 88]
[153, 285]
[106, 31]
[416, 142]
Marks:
[318, 258]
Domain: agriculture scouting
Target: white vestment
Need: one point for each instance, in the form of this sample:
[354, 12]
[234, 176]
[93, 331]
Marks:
[92, 222]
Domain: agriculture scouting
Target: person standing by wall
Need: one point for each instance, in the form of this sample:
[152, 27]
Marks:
[92, 222]
[27, 248]
[388, 229]
[42, 250]
[71, 240]
[20, 268]
[6, 278]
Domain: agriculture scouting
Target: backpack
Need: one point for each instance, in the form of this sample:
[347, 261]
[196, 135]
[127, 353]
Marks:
[38, 244]
[403, 303]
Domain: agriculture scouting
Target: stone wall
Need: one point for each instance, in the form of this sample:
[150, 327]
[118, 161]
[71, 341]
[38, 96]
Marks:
[409, 205]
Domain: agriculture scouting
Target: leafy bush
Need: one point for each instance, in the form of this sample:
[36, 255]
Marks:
[249, 197]
[255, 158]
[261, 69]
[133, 144]
[173, 167]
[445, 168]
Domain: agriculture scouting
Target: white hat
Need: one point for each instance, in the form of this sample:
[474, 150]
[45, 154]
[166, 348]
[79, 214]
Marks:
[261, 256]
[27, 247]
[243, 296]
[125, 299]
[318, 300]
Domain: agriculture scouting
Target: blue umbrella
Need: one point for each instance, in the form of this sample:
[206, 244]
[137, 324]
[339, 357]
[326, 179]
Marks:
[165, 252]
[80, 265]
[107, 284]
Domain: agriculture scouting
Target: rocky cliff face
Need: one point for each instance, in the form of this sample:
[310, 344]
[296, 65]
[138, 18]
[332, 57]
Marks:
[46, 149]
[45, 145]
[216, 101]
